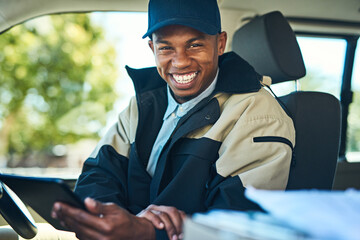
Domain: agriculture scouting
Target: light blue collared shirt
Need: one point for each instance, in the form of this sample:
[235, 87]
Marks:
[172, 116]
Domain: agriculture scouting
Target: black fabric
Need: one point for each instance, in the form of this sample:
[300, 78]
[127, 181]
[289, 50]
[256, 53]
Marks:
[186, 188]
[138, 183]
[269, 44]
[106, 177]
[152, 108]
[145, 79]
[226, 193]
[317, 120]
[245, 76]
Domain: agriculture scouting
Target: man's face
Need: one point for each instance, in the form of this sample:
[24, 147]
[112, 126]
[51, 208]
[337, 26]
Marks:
[187, 59]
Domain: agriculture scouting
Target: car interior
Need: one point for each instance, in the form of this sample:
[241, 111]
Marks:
[267, 34]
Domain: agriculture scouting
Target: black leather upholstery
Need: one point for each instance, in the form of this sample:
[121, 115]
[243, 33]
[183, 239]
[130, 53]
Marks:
[269, 44]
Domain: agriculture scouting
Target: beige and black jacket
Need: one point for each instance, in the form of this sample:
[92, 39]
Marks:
[237, 137]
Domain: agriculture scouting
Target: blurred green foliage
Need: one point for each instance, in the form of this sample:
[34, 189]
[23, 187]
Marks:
[57, 75]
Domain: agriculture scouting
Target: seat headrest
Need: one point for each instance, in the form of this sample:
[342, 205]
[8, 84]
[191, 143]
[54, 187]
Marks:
[269, 44]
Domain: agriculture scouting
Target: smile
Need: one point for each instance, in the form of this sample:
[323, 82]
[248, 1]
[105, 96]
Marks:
[184, 78]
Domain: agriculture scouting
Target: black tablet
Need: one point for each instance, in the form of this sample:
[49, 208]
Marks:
[41, 194]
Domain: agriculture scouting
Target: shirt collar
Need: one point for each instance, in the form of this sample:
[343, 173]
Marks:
[181, 109]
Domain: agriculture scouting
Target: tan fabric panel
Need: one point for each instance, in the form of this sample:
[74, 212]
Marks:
[245, 116]
[272, 172]
[262, 165]
[122, 133]
[232, 108]
[215, 132]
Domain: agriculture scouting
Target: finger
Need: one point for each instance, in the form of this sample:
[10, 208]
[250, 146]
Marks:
[169, 225]
[175, 216]
[116, 222]
[183, 215]
[84, 231]
[81, 231]
[72, 217]
[94, 206]
[153, 217]
[67, 222]
[89, 226]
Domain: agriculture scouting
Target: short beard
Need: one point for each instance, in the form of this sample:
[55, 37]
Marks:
[184, 99]
[180, 99]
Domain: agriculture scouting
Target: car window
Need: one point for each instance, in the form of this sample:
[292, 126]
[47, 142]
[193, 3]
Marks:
[324, 62]
[353, 133]
[63, 82]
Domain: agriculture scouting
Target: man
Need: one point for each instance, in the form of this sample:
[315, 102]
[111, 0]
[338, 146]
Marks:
[200, 130]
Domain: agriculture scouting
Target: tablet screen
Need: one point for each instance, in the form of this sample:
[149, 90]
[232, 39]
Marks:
[41, 193]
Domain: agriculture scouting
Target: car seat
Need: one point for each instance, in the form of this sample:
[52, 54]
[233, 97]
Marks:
[269, 44]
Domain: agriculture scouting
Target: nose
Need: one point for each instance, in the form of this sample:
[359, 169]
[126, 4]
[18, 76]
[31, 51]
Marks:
[181, 60]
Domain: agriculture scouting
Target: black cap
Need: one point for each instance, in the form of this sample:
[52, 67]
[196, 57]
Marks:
[203, 15]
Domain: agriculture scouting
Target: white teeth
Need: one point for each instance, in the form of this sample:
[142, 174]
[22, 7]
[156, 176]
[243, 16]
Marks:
[184, 78]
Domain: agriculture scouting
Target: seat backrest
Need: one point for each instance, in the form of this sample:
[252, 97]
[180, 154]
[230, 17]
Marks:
[269, 44]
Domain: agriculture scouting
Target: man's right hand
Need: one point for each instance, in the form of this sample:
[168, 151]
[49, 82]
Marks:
[166, 217]
[103, 221]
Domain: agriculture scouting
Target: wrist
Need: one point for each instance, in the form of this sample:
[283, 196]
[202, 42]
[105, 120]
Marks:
[145, 229]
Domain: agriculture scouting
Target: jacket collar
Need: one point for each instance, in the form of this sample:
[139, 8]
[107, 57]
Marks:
[235, 76]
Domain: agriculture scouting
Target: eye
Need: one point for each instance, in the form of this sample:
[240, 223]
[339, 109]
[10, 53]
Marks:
[165, 48]
[195, 45]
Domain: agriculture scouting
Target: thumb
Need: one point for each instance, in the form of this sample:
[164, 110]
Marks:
[100, 209]
[93, 206]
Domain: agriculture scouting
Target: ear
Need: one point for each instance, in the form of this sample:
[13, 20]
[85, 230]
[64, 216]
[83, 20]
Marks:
[222, 38]
[151, 45]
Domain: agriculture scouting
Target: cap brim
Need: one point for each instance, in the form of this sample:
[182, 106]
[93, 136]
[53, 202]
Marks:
[193, 23]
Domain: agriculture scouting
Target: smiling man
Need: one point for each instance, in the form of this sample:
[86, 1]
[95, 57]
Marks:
[187, 59]
[199, 131]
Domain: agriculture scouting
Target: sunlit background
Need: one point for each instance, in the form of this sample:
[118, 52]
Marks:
[63, 82]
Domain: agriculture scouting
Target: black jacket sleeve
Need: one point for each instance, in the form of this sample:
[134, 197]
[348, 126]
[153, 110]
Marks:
[104, 177]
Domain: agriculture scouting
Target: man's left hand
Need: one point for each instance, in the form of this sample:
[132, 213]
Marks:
[165, 217]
